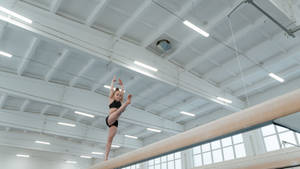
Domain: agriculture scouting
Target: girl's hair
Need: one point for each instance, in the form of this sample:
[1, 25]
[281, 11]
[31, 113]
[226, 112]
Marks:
[117, 89]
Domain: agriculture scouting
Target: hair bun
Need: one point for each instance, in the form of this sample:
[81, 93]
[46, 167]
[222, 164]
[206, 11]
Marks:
[117, 89]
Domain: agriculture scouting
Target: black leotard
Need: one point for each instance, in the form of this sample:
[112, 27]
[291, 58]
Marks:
[115, 104]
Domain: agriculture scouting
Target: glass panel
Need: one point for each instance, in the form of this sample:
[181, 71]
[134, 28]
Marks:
[228, 153]
[150, 167]
[268, 130]
[170, 164]
[164, 166]
[237, 139]
[271, 143]
[215, 144]
[170, 157]
[298, 136]
[207, 158]
[151, 162]
[197, 160]
[157, 160]
[157, 166]
[196, 150]
[132, 167]
[288, 137]
[226, 142]
[205, 147]
[281, 129]
[217, 155]
[177, 155]
[164, 159]
[178, 164]
[240, 150]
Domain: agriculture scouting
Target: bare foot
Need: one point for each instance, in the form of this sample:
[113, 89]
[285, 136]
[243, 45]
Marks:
[129, 99]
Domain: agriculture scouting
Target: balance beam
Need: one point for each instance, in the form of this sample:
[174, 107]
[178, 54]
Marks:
[245, 119]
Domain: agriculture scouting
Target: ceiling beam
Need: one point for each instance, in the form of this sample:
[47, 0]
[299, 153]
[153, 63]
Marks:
[295, 70]
[237, 35]
[45, 109]
[84, 39]
[198, 111]
[57, 64]
[24, 105]
[191, 38]
[268, 63]
[55, 5]
[78, 99]
[92, 17]
[28, 55]
[35, 122]
[3, 99]
[122, 30]
[106, 77]
[27, 141]
[187, 6]
[75, 80]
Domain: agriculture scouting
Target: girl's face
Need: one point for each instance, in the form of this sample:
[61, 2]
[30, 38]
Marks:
[117, 96]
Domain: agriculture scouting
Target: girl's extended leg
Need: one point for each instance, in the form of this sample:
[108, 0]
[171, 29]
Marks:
[116, 114]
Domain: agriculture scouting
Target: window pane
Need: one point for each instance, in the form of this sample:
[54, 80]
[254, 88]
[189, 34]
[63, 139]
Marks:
[178, 164]
[215, 144]
[157, 160]
[281, 129]
[170, 164]
[132, 167]
[271, 143]
[288, 137]
[164, 158]
[237, 139]
[207, 158]
[197, 160]
[170, 157]
[157, 166]
[240, 150]
[137, 166]
[196, 150]
[151, 167]
[164, 166]
[226, 141]
[205, 147]
[268, 130]
[217, 155]
[228, 153]
[177, 155]
[151, 162]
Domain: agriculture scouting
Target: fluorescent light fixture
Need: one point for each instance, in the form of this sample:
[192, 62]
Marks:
[97, 153]
[140, 71]
[145, 66]
[23, 155]
[66, 124]
[115, 146]
[42, 142]
[84, 156]
[187, 113]
[11, 13]
[154, 130]
[71, 162]
[84, 114]
[129, 136]
[5, 54]
[108, 87]
[224, 100]
[272, 75]
[196, 28]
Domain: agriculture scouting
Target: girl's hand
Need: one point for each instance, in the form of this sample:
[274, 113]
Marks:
[120, 82]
